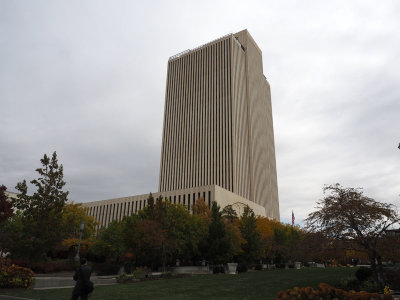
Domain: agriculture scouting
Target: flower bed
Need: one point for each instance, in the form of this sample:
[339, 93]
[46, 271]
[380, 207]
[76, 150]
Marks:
[12, 276]
[326, 291]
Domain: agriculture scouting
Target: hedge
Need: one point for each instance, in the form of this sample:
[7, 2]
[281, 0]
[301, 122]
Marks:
[51, 266]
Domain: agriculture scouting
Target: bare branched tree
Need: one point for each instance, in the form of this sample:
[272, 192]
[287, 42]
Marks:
[346, 214]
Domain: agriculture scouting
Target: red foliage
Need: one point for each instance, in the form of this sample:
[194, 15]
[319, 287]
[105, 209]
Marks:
[47, 266]
[326, 291]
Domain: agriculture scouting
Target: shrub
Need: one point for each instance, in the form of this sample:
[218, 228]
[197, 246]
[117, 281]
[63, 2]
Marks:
[326, 291]
[53, 266]
[369, 285]
[349, 283]
[392, 278]
[12, 276]
[20, 262]
[363, 273]
[124, 278]
[129, 268]
[141, 273]
[106, 269]
[46, 266]
[218, 269]
[242, 268]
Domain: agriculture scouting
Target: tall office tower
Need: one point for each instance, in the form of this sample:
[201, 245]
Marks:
[218, 127]
[218, 138]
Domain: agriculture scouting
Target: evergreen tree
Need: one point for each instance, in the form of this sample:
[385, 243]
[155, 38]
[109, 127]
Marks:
[218, 243]
[252, 238]
[229, 213]
[42, 212]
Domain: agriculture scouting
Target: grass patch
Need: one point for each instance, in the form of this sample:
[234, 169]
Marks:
[251, 285]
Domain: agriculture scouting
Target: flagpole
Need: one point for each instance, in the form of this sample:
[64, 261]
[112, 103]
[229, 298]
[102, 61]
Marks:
[293, 218]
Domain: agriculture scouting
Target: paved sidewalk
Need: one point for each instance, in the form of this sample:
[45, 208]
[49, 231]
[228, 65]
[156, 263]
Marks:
[4, 297]
[51, 281]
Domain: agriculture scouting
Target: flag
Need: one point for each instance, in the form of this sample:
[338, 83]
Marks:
[293, 218]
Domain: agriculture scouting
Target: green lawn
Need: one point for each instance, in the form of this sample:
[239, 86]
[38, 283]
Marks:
[250, 285]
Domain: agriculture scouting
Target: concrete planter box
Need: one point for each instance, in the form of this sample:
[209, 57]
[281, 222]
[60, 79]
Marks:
[232, 268]
[190, 270]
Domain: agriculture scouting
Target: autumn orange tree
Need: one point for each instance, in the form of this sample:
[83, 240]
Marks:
[201, 209]
[72, 216]
[347, 214]
[146, 242]
[266, 227]
[280, 242]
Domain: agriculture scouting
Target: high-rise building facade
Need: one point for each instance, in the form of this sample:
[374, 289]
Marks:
[218, 138]
[218, 127]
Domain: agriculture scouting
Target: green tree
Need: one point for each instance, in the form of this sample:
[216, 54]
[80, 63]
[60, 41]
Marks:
[110, 242]
[13, 236]
[286, 242]
[218, 244]
[197, 237]
[6, 209]
[42, 212]
[234, 236]
[252, 246]
[346, 214]
[183, 231]
[229, 213]
[155, 210]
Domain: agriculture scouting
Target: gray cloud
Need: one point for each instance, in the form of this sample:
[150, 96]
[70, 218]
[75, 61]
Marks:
[87, 79]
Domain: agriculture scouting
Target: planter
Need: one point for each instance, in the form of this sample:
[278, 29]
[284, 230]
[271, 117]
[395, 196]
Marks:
[232, 267]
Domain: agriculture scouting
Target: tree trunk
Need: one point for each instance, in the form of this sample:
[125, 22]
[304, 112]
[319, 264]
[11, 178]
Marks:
[380, 273]
[377, 270]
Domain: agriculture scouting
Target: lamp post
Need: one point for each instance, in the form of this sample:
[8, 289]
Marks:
[80, 238]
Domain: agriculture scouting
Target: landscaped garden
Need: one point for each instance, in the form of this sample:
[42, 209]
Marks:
[39, 233]
[249, 285]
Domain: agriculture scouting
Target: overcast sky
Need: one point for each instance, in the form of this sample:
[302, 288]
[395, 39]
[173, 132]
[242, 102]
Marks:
[87, 79]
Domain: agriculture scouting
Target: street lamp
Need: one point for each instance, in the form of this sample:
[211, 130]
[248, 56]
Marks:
[80, 238]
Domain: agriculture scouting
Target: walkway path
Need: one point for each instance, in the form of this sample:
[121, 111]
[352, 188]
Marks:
[61, 280]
